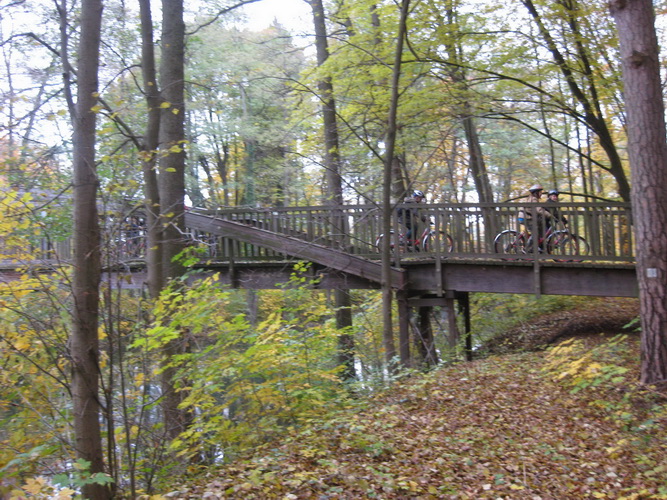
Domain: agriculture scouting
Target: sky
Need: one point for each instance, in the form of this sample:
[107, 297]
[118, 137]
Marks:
[294, 15]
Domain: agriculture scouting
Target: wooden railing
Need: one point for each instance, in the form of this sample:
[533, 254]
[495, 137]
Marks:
[355, 229]
[472, 228]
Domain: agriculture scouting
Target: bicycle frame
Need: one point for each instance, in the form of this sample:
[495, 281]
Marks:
[556, 240]
[425, 242]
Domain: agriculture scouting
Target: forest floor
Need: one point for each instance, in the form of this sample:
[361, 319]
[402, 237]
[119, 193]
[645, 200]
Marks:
[564, 423]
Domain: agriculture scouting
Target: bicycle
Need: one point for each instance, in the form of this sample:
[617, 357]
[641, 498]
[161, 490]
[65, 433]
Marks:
[430, 240]
[134, 246]
[554, 242]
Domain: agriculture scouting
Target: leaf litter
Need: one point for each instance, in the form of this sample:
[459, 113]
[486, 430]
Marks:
[528, 425]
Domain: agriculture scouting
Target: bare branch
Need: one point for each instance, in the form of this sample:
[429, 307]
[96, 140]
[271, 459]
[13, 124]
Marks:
[220, 14]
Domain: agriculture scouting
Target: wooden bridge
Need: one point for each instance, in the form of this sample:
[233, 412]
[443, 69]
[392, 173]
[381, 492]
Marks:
[458, 254]
[256, 248]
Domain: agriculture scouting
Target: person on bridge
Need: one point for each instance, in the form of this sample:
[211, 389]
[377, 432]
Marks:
[552, 200]
[410, 216]
[542, 214]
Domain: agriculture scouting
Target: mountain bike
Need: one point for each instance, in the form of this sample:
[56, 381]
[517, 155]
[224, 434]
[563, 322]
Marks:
[429, 240]
[133, 246]
[554, 242]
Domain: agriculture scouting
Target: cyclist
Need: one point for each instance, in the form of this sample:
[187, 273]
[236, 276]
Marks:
[526, 214]
[410, 216]
[552, 199]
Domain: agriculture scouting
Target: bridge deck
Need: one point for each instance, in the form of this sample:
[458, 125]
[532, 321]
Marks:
[613, 280]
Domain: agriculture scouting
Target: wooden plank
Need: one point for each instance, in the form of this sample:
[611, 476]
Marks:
[555, 279]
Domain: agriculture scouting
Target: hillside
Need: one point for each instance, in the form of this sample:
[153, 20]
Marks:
[569, 423]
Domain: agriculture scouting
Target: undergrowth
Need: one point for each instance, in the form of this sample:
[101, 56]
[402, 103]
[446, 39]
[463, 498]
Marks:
[570, 423]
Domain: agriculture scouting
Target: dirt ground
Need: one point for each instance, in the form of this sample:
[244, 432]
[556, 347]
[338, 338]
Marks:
[608, 316]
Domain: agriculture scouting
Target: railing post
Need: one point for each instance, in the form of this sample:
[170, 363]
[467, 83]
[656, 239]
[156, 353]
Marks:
[535, 237]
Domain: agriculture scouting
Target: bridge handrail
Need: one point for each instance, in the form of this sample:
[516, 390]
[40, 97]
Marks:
[606, 226]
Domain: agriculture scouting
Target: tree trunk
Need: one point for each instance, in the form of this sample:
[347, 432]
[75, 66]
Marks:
[476, 161]
[149, 146]
[334, 185]
[390, 143]
[647, 149]
[171, 183]
[84, 340]
[346, 348]
[424, 338]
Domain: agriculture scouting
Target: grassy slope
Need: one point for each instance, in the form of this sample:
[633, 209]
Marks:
[502, 427]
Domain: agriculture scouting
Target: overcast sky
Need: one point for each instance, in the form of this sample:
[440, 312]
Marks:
[295, 15]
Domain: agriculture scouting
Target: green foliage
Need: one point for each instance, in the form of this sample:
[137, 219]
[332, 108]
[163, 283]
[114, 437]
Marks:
[495, 428]
[62, 486]
[245, 383]
[602, 374]
[33, 381]
[240, 96]
[81, 476]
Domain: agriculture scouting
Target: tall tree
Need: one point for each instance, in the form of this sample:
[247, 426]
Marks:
[459, 79]
[333, 192]
[647, 149]
[171, 183]
[390, 143]
[84, 340]
[150, 146]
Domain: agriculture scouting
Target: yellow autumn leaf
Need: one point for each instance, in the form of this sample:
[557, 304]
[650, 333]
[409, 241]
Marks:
[22, 344]
[34, 486]
[65, 494]
[165, 105]
[594, 367]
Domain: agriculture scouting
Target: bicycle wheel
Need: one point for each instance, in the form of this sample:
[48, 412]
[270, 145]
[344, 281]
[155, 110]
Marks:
[567, 244]
[396, 239]
[438, 242]
[510, 242]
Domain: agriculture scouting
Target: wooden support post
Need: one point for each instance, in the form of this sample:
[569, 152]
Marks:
[454, 334]
[403, 329]
[464, 307]
[535, 250]
[424, 337]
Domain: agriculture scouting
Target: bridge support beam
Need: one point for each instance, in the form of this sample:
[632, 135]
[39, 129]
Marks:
[464, 308]
[453, 328]
[403, 328]
[454, 304]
